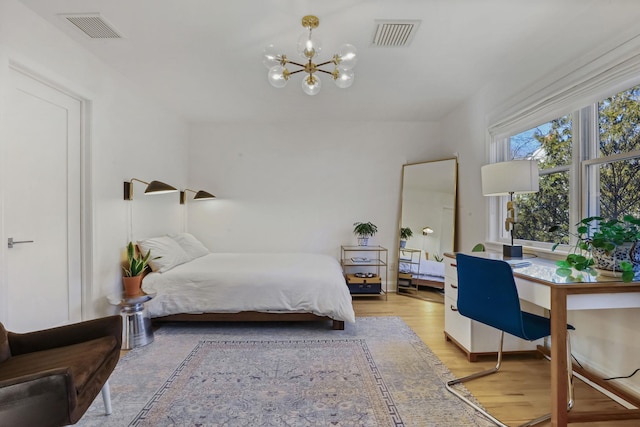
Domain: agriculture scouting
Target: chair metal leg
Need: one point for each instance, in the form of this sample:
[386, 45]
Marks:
[569, 382]
[106, 398]
[543, 418]
[493, 370]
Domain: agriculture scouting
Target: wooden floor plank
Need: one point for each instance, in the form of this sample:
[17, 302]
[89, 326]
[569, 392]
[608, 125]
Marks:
[519, 392]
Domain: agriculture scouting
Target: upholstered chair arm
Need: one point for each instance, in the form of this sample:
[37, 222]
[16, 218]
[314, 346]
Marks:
[66, 335]
[51, 392]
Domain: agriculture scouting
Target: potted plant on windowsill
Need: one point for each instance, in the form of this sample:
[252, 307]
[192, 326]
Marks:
[405, 234]
[364, 230]
[133, 270]
[605, 246]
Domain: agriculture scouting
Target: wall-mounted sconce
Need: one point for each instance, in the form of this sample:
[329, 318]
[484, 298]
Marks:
[153, 187]
[200, 195]
[427, 230]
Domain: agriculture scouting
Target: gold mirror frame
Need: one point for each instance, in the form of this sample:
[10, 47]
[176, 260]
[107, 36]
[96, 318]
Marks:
[428, 200]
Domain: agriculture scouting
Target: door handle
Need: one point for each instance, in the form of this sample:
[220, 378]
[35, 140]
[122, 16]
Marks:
[11, 242]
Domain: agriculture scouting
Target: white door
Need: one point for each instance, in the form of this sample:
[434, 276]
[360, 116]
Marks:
[41, 176]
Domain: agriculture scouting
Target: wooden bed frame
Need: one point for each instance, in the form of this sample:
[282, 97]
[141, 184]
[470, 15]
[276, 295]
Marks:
[413, 281]
[249, 316]
[426, 282]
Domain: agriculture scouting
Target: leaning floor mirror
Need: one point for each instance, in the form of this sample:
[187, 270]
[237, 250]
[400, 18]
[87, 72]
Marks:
[426, 227]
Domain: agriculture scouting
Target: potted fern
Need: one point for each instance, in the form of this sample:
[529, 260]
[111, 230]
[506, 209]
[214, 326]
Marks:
[405, 234]
[132, 272]
[364, 230]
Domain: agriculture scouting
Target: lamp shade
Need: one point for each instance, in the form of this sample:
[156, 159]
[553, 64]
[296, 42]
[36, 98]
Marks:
[199, 195]
[157, 187]
[203, 195]
[153, 187]
[504, 178]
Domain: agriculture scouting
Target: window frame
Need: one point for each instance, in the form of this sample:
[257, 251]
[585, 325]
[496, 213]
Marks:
[585, 154]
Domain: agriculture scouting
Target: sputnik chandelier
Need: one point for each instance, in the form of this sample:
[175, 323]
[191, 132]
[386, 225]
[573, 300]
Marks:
[309, 48]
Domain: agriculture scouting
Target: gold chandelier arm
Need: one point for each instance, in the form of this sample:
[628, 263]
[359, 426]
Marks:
[295, 72]
[296, 63]
[325, 63]
[326, 72]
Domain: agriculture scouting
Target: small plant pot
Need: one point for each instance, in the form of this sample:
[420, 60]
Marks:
[403, 243]
[610, 261]
[132, 286]
[363, 241]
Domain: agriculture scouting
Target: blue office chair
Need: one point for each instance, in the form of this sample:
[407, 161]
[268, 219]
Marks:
[487, 293]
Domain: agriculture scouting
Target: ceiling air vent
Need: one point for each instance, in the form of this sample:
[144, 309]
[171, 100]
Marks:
[93, 25]
[394, 33]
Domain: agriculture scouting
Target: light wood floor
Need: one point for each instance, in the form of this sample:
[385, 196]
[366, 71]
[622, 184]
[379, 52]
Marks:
[520, 391]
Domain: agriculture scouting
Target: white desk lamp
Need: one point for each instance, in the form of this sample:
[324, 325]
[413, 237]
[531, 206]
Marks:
[509, 178]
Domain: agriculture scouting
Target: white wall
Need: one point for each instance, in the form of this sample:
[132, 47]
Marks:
[129, 137]
[605, 341]
[301, 186]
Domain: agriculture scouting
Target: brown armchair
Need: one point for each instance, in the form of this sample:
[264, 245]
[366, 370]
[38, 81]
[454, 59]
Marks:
[51, 377]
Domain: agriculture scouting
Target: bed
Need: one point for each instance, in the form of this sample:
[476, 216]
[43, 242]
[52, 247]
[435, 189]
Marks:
[242, 286]
[425, 273]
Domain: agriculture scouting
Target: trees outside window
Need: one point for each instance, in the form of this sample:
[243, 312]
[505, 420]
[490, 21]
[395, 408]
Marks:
[618, 161]
[611, 165]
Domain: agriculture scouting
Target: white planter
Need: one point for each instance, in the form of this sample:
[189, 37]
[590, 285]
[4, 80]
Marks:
[363, 241]
[629, 251]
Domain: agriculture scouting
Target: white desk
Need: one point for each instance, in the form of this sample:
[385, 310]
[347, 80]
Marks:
[539, 284]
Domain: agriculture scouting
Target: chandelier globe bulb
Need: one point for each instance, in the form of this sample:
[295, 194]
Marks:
[311, 85]
[308, 47]
[348, 56]
[278, 76]
[344, 79]
[271, 57]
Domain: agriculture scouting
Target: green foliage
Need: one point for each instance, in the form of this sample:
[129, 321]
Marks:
[405, 233]
[137, 262]
[478, 248]
[539, 211]
[596, 232]
[618, 132]
[364, 229]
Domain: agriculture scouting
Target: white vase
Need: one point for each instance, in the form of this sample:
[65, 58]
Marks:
[363, 241]
[629, 251]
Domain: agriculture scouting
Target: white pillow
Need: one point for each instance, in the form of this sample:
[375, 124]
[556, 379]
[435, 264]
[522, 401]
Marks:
[192, 246]
[169, 251]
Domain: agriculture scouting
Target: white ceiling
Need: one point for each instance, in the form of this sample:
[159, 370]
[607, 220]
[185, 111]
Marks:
[203, 58]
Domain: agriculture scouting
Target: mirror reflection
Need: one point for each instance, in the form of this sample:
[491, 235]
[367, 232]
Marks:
[427, 227]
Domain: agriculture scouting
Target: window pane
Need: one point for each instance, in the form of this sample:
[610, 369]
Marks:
[619, 122]
[549, 143]
[539, 211]
[619, 184]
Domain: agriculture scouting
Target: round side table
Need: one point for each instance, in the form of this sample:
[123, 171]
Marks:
[136, 323]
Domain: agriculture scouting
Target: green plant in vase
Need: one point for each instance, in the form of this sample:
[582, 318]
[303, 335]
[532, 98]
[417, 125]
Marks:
[364, 230]
[405, 234]
[608, 245]
[132, 271]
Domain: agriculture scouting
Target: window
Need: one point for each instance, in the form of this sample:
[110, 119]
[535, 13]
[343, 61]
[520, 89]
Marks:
[551, 145]
[614, 174]
[596, 149]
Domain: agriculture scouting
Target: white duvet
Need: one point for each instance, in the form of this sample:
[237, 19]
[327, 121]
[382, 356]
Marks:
[235, 282]
[426, 267]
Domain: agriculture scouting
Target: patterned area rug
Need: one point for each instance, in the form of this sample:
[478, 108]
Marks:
[376, 372]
